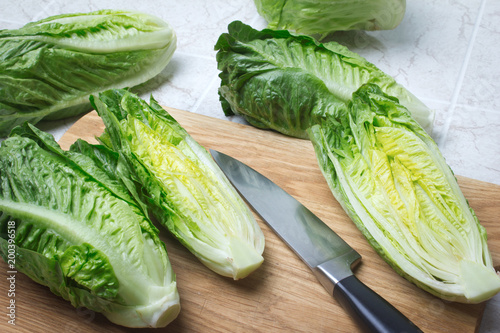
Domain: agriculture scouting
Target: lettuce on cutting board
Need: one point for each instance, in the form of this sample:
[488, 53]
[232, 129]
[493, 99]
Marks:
[181, 184]
[71, 227]
[391, 179]
[372, 143]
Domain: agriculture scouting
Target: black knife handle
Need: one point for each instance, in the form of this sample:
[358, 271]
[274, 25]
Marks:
[370, 310]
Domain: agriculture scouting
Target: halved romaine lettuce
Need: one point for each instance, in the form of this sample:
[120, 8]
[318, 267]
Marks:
[393, 182]
[287, 82]
[327, 16]
[184, 188]
[69, 226]
[49, 68]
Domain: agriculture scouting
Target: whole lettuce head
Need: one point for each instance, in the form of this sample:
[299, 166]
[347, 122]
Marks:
[69, 225]
[287, 82]
[49, 68]
[326, 16]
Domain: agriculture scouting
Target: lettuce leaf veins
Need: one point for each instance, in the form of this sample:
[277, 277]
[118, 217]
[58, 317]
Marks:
[393, 182]
[181, 184]
[79, 232]
[49, 68]
[326, 16]
[288, 82]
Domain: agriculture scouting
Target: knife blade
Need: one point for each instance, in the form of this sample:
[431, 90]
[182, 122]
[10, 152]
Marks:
[329, 257]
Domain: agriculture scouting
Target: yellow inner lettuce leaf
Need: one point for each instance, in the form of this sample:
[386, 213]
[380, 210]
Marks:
[391, 179]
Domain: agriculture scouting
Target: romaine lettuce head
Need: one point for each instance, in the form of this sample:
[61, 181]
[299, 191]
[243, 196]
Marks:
[184, 188]
[49, 68]
[69, 226]
[327, 16]
[288, 82]
[393, 182]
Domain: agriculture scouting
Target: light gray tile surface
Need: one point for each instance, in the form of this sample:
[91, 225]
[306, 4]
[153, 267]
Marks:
[445, 52]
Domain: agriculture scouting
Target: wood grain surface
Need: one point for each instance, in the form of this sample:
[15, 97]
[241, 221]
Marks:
[282, 295]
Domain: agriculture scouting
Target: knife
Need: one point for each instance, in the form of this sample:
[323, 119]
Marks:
[324, 252]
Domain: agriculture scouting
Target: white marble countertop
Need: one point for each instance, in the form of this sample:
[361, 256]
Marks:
[445, 52]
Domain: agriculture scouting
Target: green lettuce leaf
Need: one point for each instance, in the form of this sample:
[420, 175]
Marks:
[115, 168]
[287, 82]
[81, 234]
[327, 16]
[181, 184]
[391, 179]
[49, 68]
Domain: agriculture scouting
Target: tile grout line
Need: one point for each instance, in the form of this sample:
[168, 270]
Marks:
[43, 13]
[204, 94]
[461, 76]
[199, 56]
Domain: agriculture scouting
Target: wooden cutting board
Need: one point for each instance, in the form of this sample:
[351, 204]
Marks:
[282, 295]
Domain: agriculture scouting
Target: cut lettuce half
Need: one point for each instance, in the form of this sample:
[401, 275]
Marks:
[49, 68]
[181, 184]
[391, 179]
